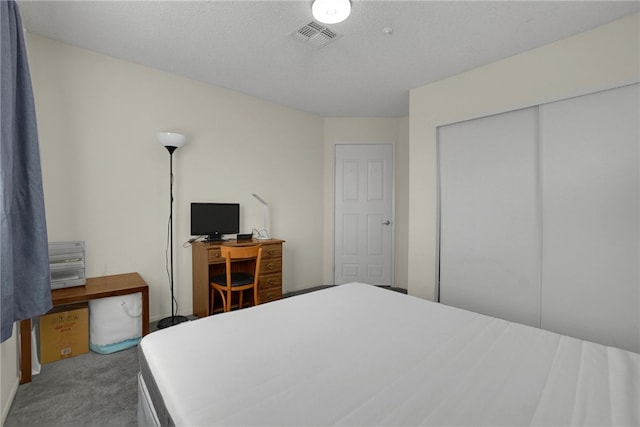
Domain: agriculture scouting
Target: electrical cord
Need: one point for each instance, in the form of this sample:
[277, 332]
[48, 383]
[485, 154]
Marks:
[166, 257]
[192, 240]
[256, 232]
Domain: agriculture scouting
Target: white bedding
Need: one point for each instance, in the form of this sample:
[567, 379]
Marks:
[358, 355]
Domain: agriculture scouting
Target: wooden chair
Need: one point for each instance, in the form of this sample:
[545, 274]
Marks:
[236, 281]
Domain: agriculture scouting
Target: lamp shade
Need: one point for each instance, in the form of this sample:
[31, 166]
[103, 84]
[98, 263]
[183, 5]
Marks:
[331, 11]
[259, 199]
[171, 139]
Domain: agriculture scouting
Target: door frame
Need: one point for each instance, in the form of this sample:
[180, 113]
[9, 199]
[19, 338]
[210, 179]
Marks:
[393, 204]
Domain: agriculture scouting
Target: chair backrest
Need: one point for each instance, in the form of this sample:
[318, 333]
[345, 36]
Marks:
[242, 252]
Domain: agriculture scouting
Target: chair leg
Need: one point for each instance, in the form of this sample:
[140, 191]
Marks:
[212, 294]
[224, 300]
[228, 307]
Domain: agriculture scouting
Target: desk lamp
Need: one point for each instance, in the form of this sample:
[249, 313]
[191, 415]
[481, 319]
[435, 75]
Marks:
[171, 141]
[264, 234]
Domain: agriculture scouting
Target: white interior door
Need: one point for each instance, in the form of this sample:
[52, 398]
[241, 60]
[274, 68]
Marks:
[363, 202]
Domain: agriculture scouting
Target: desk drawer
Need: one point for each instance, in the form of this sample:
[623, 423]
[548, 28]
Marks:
[269, 295]
[214, 256]
[270, 281]
[272, 251]
[270, 266]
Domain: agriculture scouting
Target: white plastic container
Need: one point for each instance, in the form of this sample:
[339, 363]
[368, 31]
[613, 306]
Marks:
[115, 323]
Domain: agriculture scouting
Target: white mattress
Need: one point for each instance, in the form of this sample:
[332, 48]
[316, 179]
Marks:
[358, 355]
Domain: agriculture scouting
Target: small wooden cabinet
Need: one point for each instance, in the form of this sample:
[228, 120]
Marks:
[207, 262]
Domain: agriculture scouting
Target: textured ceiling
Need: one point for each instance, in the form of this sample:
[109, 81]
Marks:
[248, 46]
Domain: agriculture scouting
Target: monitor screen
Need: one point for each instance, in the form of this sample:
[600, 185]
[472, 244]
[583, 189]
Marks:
[215, 219]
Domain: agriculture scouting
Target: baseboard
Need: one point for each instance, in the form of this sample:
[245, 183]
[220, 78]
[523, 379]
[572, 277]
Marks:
[9, 402]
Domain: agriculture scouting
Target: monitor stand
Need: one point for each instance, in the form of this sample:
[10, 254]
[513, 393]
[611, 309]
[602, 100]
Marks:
[215, 237]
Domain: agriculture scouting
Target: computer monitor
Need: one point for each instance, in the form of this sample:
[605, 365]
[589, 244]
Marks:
[215, 219]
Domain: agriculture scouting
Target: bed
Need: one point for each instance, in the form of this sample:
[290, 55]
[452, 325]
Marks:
[358, 355]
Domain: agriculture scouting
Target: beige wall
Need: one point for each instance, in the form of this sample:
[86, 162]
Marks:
[598, 59]
[370, 130]
[106, 177]
[8, 374]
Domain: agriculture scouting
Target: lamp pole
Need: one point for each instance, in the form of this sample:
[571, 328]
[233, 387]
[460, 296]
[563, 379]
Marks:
[167, 139]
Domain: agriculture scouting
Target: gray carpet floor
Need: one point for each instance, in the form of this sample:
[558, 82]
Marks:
[86, 390]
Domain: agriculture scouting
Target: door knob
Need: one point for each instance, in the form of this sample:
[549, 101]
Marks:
[387, 222]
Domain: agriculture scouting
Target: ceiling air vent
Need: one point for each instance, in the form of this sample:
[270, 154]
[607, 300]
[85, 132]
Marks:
[314, 35]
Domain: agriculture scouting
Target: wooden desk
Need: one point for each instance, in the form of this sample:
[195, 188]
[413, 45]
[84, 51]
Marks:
[207, 262]
[96, 287]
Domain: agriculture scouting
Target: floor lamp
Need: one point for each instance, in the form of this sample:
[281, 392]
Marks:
[171, 141]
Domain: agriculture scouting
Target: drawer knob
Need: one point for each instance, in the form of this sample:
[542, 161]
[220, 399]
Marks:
[271, 252]
[270, 266]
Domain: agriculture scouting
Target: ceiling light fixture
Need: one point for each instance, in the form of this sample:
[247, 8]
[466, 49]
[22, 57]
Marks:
[331, 11]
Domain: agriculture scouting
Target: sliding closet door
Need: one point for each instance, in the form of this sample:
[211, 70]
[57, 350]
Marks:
[591, 190]
[489, 216]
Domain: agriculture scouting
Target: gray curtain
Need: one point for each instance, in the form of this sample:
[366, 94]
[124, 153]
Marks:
[25, 289]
